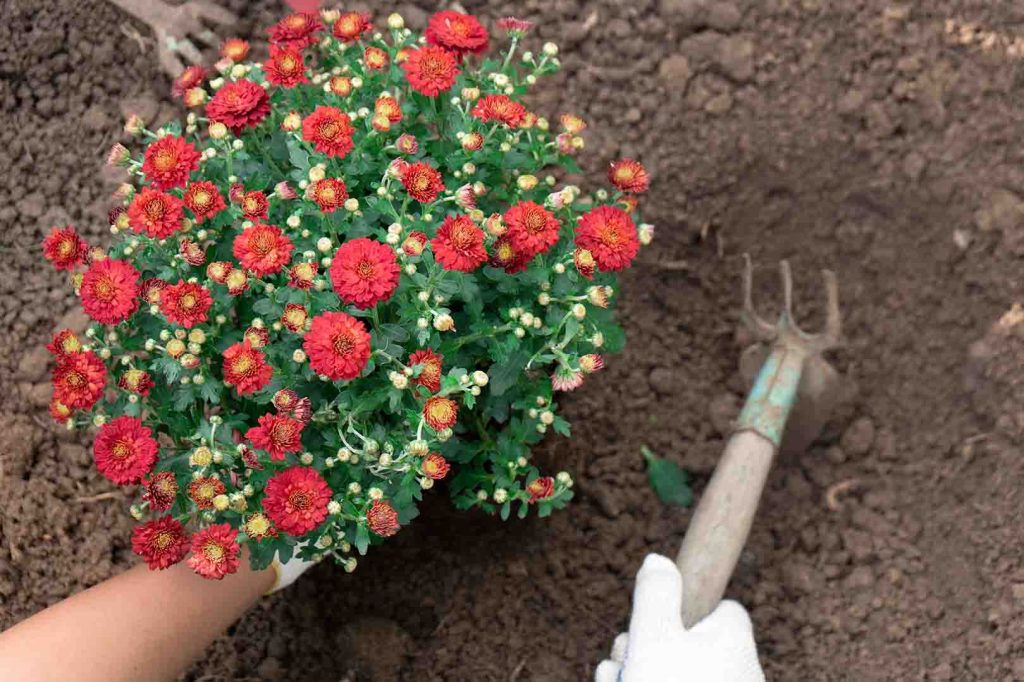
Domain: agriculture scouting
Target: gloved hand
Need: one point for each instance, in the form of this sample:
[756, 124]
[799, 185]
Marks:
[720, 648]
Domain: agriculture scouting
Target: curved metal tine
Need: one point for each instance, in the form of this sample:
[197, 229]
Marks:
[764, 330]
[788, 319]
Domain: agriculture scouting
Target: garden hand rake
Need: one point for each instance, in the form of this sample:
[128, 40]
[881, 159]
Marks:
[795, 385]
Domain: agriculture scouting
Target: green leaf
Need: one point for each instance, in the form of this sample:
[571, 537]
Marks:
[505, 375]
[668, 480]
[362, 539]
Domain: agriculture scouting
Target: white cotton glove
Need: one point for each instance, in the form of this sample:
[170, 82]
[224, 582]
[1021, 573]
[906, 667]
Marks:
[719, 648]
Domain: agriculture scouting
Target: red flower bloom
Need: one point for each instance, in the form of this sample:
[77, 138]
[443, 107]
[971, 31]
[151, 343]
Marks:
[191, 252]
[505, 256]
[64, 248]
[238, 105]
[296, 30]
[215, 551]
[149, 290]
[430, 375]
[192, 77]
[329, 193]
[157, 214]
[499, 108]
[255, 205]
[430, 70]
[330, 130]
[79, 380]
[296, 500]
[246, 368]
[294, 317]
[302, 275]
[513, 25]
[136, 381]
[456, 32]
[541, 488]
[257, 336]
[203, 199]
[59, 411]
[125, 450]
[161, 489]
[441, 413]
[109, 291]
[364, 272]
[161, 543]
[202, 490]
[285, 67]
[350, 26]
[169, 161]
[234, 49]
[389, 108]
[375, 58]
[609, 234]
[629, 176]
[422, 182]
[414, 243]
[64, 343]
[285, 400]
[584, 262]
[185, 303]
[407, 144]
[382, 519]
[459, 244]
[277, 434]
[435, 466]
[338, 345]
[531, 228]
[263, 249]
[250, 458]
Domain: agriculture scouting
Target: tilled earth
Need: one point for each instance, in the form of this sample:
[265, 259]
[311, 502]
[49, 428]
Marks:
[882, 140]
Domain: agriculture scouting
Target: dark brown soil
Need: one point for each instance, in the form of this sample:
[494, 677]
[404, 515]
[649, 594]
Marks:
[859, 135]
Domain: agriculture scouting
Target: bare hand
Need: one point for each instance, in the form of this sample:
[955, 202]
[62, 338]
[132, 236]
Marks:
[177, 27]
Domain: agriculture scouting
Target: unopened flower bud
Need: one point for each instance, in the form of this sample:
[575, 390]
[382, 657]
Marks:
[444, 323]
[500, 495]
[579, 311]
[547, 417]
[375, 494]
[418, 448]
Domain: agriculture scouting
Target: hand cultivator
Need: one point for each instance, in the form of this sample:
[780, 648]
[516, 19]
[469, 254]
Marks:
[788, 405]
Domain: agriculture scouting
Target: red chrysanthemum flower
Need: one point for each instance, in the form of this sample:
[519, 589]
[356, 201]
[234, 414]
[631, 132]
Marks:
[389, 108]
[456, 32]
[302, 275]
[629, 176]
[609, 234]
[338, 345]
[591, 363]
[407, 144]
[255, 205]
[330, 130]
[532, 228]
[192, 253]
[65, 248]
[257, 336]
[185, 303]
[364, 272]
[59, 411]
[328, 193]
[440, 412]
[459, 244]
[137, 381]
[156, 213]
[277, 434]
[514, 25]
[350, 26]
[258, 526]
[565, 378]
[430, 70]
[584, 262]
[284, 400]
[285, 67]
[263, 249]
[160, 490]
[435, 466]
[296, 30]
[499, 108]
[430, 375]
[79, 380]
[149, 290]
[414, 243]
[422, 182]
[382, 519]
[161, 543]
[375, 58]
[215, 551]
[296, 500]
[505, 256]
[294, 317]
[238, 105]
[202, 490]
[169, 161]
[64, 343]
[125, 450]
[541, 488]
[246, 368]
[109, 291]
[204, 200]
[234, 49]
[192, 77]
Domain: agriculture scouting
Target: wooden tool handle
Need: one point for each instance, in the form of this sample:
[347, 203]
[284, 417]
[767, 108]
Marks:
[721, 523]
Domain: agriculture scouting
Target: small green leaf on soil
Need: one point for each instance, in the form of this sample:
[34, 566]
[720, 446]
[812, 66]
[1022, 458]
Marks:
[669, 481]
